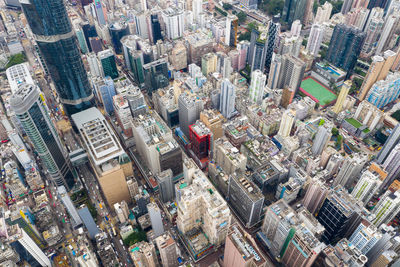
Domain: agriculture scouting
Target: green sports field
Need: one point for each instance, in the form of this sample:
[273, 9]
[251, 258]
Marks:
[317, 91]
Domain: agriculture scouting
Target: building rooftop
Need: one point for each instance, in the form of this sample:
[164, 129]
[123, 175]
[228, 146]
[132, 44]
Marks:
[17, 75]
[246, 246]
[152, 128]
[100, 140]
[200, 129]
[105, 53]
[252, 191]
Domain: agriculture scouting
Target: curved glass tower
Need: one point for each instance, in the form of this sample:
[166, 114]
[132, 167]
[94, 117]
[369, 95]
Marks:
[30, 109]
[58, 46]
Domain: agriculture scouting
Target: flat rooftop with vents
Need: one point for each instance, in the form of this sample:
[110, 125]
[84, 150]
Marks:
[100, 140]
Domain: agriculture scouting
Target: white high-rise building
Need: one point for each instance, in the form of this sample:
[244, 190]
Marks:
[197, 6]
[143, 5]
[387, 208]
[365, 236]
[392, 166]
[287, 123]
[16, 234]
[386, 32]
[323, 13]
[202, 206]
[321, 138]
[366, 187]
[94, 65]
[350, 170]
[256, 89]
[156, 219]
[315, 39]
[274, 72]
[17, 75]
[227, 99]
[174, 22]
[296, 28]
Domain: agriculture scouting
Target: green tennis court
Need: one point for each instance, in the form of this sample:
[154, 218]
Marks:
[317, 91]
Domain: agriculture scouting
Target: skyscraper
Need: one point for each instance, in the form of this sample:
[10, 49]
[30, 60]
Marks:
[167, 247]
[346, 7]
[106, 91]
[290, 74]
[108, 64]
[345, 46]
[174, 22]
[155, 29]
[274, 72]
[156, 219]
[366, 187]
[273, 32]
[166, 185]
[293, 10]
[245, 199]
[227, 99]
[323, 13]
[156, 75]
[344, 91]
[389, 145]
[377, 71]
[256, 89]
[339, 214]
[26, 248]
[388, 30]
[385, 91]
[315, 39]
[287, 122]
[387, 208]
[321, 138]
[365, 236]
[189, 111]
[231, 30]
[315, 196]
[101, 16]
[350, 170]
[58, 46]
[201, 139]
[257, 50]
[392, 166]
[197, 8]
[30, 108]
[117, 31]
[373, 30]
[133, 58]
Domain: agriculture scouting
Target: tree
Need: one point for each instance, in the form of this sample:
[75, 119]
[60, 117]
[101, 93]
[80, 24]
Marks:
[227, 6]
[337, 6]
[271, 7]
[356, 85]
[396, 115]
[16, 59]
[245, 36]
[335, 131]
[241, 16]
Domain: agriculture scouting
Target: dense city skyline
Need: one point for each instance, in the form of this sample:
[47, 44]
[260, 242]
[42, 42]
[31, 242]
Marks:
[200, 133]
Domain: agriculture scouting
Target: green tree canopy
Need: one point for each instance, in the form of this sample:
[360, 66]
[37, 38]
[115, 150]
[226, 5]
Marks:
[241, 16]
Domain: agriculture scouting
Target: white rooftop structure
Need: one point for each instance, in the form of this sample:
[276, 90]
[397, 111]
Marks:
[18, 74]
[101, 142]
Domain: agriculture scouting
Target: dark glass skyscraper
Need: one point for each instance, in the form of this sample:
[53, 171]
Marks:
[117, 31]
[30, 109]
[293, 10]
[58, 46]
[273, 31]
[345, 47]
[257, 51]
[155, 28]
